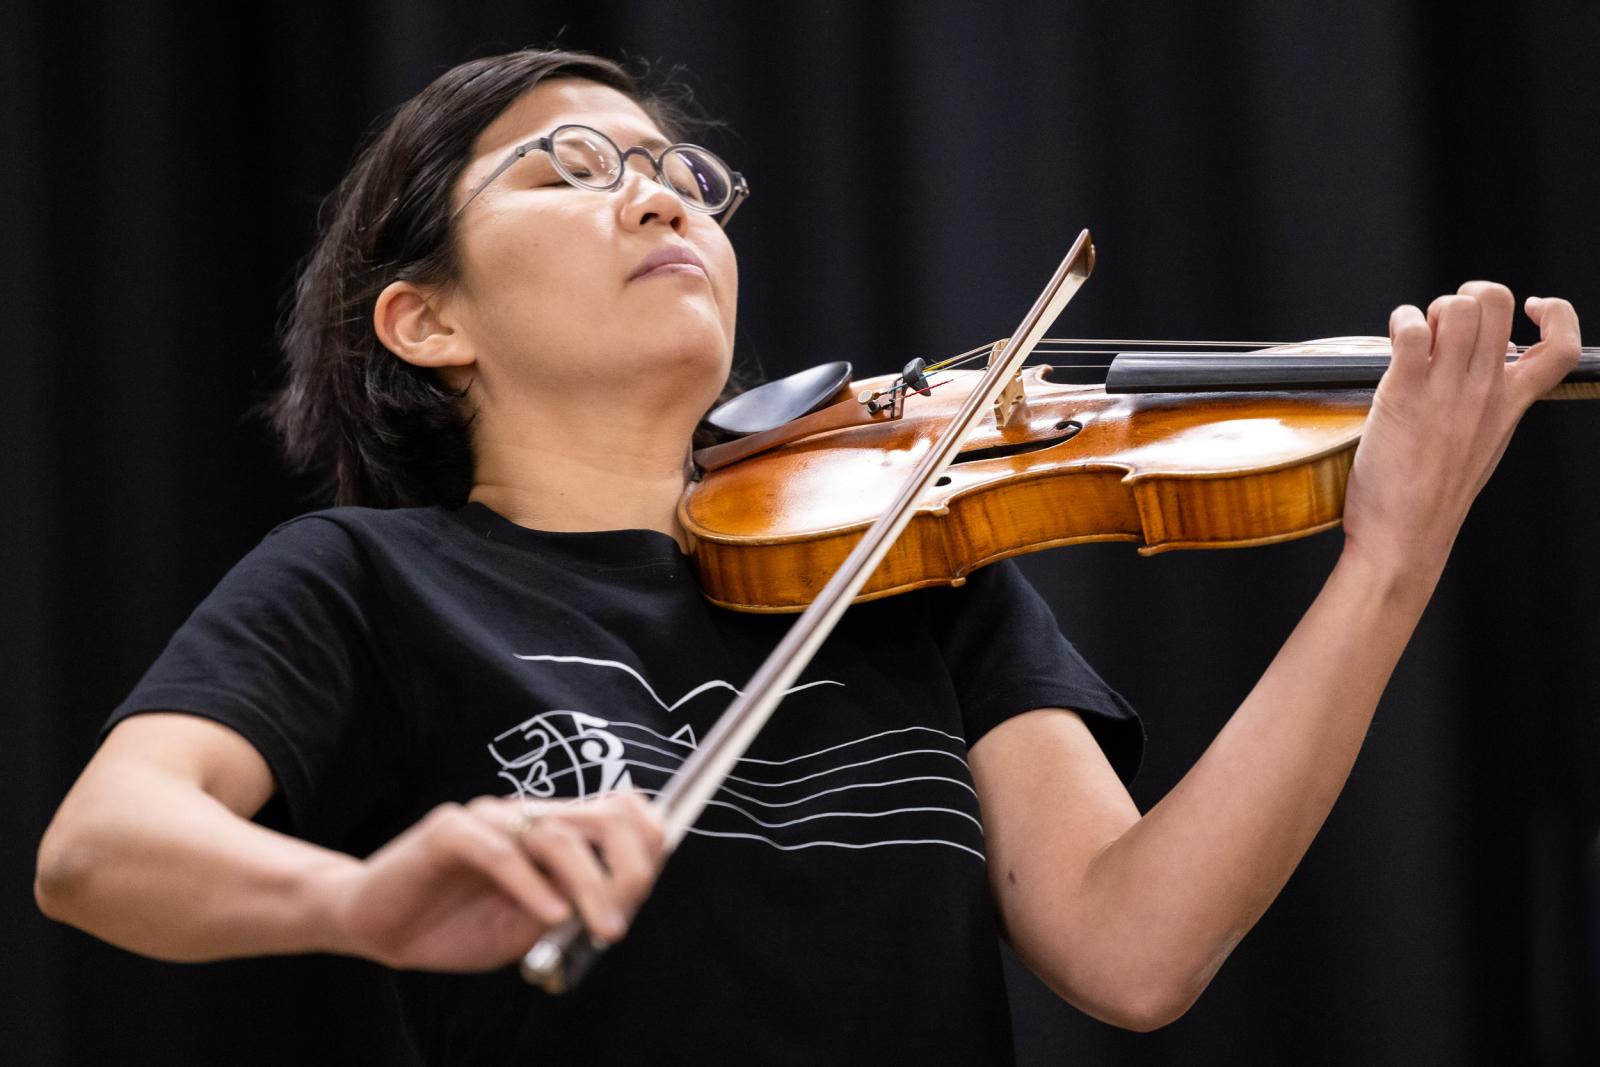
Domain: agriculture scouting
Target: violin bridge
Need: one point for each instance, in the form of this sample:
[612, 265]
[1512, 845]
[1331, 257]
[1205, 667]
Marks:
[1011, 397]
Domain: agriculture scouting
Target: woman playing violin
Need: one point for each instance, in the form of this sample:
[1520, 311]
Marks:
[419, 727]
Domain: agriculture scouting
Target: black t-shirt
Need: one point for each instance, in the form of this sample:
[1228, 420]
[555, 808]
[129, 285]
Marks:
[831, 905]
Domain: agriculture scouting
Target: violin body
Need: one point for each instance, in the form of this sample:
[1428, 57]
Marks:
[1074, 464]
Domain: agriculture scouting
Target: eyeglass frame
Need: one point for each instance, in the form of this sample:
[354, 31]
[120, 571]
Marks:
[546, 143]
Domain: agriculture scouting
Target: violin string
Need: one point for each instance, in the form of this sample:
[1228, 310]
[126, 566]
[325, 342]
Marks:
[1330, 346]
[1077, 346]
[1061, 346]
[1050, 345]
[1159, 342]
[1341, 350]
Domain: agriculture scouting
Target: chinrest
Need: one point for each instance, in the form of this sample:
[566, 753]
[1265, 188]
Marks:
[775, 403]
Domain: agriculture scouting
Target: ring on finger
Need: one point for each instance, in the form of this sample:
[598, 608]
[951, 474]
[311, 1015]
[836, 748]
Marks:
[519, 823]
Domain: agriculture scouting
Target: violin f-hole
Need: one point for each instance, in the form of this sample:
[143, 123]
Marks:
[1065, 430]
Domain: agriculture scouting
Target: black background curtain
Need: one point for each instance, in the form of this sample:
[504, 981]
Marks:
[1257, 171]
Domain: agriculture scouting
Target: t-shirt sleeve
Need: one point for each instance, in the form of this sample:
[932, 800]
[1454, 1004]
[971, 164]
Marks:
[1006, 656]
[283, 652]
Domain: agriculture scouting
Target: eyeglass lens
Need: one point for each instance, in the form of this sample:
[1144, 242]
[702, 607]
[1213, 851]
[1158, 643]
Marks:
[586, 159]
[697, 176]
[592, 161]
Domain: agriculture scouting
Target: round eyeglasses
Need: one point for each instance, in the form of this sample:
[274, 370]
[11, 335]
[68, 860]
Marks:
[588, 159]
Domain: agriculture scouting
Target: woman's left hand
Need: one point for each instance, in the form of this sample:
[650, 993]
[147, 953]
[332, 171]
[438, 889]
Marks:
[1441, 418]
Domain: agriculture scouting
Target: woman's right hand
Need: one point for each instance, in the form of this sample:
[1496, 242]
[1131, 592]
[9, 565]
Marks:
[472, 887]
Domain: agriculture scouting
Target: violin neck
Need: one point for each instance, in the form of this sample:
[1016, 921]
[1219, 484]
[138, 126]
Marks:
[1571, 390]
[1226, 372]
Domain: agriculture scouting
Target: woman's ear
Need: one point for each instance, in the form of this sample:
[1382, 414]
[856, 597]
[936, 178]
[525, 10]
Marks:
[407, 321]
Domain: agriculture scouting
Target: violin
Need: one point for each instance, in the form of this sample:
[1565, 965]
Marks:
[1176, 449]
[863, 490]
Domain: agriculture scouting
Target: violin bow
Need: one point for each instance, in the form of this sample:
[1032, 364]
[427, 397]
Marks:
[558, 962]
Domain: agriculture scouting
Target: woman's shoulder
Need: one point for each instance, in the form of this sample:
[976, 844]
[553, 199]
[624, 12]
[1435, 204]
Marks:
[345, 545]
[361, 525]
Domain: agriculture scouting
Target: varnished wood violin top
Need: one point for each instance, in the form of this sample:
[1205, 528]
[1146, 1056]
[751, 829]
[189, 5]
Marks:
[1163, 470]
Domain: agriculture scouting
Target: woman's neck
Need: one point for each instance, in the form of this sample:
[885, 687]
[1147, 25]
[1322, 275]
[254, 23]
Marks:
[566, 485]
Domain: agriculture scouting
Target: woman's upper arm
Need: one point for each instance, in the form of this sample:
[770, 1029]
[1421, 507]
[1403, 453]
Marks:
[146, 756]
[1051, 803]
[214, 757]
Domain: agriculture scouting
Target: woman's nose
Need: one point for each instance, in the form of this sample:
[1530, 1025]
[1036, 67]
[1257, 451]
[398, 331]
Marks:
[646, 199]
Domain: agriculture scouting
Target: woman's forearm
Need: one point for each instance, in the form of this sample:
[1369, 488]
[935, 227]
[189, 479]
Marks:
[1196, 872]
[147, 861]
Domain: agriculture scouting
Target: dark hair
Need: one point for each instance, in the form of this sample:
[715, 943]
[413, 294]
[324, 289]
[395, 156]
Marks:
[372, 428]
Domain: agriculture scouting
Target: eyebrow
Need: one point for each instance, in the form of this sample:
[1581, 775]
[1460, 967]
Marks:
[650, 141]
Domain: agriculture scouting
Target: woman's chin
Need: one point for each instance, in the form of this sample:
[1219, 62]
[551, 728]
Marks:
[694, 367]
[691, 340]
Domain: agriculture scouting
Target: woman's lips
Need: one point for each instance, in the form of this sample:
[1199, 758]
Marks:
[674, 259]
